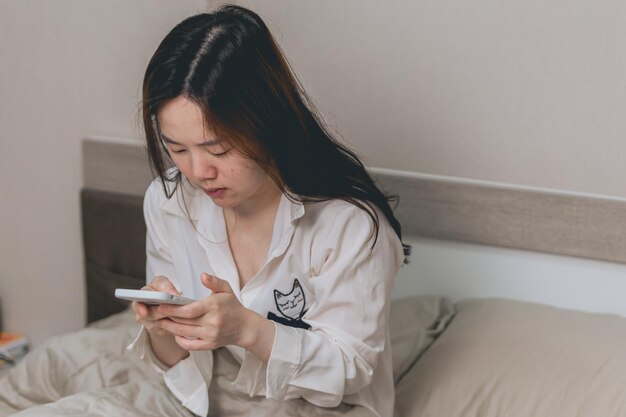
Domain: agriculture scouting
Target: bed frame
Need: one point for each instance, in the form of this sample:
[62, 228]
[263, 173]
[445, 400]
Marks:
[116, 174]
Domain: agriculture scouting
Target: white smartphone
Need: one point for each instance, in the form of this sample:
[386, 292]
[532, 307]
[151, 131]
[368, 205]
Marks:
[151, 297]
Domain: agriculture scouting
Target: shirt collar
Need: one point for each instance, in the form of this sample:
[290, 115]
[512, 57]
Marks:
[192, 203]
[187, 201]
[287, 214]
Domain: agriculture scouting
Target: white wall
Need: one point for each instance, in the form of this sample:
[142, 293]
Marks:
[526, 92]
[68, 69]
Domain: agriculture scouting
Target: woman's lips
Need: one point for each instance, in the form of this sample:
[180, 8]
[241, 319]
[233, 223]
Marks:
[215, 192]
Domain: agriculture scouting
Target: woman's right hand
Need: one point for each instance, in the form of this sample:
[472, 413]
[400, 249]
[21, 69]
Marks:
[148, 315]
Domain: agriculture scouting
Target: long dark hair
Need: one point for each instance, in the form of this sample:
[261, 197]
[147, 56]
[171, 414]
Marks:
[228, 63]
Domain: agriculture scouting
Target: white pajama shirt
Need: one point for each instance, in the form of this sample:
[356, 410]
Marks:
[325, 290]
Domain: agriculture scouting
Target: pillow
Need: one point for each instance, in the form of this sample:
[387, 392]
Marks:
[511, 358]
[414, 322]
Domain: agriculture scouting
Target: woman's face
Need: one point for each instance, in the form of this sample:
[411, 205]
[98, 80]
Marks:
[225, 175]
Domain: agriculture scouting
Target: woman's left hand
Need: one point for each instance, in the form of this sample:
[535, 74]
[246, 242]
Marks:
[217, 320]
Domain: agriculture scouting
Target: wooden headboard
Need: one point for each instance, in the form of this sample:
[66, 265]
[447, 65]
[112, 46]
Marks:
[116, 173]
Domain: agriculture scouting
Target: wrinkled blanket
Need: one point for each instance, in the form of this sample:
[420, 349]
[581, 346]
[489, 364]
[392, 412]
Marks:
[90, 373]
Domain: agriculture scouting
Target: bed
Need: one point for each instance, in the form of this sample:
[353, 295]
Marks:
[463, 357]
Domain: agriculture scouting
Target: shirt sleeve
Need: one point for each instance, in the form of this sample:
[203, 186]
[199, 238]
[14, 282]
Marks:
[184, 379]
[348, 317]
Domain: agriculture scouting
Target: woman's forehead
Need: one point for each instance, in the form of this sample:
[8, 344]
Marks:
[181, 120]
[180, 112]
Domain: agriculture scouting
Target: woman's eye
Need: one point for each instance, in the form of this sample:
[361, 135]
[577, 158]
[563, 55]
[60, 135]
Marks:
[220, 153]
[178, 151]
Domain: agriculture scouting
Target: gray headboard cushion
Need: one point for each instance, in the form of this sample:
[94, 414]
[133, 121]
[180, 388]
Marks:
[114, 244]
[508, 216]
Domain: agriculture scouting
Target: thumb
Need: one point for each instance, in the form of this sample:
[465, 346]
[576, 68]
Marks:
[215, 284]
[162, 283]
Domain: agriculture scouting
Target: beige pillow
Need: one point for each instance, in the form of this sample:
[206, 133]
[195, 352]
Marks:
[414, 322]
[509, 358]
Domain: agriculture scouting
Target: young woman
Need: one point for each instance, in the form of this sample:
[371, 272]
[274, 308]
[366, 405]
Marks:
[274, 227]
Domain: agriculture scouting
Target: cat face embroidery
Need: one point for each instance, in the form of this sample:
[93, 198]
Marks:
[291, 305]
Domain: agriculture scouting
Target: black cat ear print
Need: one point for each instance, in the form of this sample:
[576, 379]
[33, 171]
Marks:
[293, 287]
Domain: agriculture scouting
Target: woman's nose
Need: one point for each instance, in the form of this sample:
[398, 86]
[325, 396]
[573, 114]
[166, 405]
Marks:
[203, 169]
